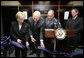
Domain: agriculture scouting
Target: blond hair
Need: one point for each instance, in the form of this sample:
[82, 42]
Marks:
[20, 15]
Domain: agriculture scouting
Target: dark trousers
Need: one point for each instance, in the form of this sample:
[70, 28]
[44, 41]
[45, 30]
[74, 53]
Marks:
[23, 52]
[74, 41]
[4, 53]
[48, 45]
[35, 45]
[34, 49]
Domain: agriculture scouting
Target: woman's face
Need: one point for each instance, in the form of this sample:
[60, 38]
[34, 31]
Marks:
[20, 20]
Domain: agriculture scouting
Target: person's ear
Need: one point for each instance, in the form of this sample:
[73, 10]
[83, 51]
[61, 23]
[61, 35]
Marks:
[77, 13]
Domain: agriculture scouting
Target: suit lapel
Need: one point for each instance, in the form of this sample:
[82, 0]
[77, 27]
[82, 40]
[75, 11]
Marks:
[75, 21]
[37, 24]
[23, 26]
[17, 26]
[51, 22]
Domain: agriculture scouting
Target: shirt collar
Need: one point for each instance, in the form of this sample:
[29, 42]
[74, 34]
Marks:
[74, 17]
[51, 19]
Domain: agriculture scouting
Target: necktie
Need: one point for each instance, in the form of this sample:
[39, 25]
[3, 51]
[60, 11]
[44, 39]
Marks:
[48, 21]
[35, 24]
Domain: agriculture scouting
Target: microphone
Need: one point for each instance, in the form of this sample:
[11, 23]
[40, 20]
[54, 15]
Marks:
[55, 26]
[59, 24]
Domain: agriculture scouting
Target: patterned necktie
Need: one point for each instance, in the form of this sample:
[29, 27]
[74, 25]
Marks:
[48, 21]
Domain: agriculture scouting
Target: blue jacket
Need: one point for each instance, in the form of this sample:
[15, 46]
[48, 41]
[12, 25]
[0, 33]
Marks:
[51, 25]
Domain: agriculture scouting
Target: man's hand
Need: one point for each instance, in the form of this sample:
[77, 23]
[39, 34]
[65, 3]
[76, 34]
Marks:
[27, 43]
[42, 44]
[33, 39]
[19, 41]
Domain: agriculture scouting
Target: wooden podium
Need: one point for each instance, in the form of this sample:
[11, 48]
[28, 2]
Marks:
[50, 33]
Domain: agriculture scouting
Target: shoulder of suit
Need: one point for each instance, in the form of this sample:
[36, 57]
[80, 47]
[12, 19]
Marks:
[26, 24]
[79, 17]
[55, 19]
[46, 19]
[30, 18]
[70, 19]
[41, 18]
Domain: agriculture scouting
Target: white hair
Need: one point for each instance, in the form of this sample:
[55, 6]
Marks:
[37, 13]
[51, 11]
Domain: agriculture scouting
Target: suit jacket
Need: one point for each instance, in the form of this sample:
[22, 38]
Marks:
[36, 30]
[75, 25]
[22, 34]
[51, 25]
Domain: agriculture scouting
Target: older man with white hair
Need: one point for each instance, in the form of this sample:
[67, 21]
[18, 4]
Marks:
[36, 31]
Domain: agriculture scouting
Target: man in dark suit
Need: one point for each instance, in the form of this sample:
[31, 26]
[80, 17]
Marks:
[50, 23]
[36, 31]
[74, 23]
[20, 33]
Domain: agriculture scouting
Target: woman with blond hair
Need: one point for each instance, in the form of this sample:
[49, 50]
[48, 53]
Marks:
[19, 33]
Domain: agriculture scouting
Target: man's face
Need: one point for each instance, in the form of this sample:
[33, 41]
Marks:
[50, 16]
[36, 18]
[74, 13]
